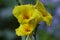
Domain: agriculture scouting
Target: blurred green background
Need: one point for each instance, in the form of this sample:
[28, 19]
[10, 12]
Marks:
[8, 23]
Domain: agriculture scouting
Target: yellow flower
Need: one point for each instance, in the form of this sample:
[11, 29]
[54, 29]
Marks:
[46, 15]
[25, 13]
[29, 16]
[24, 29]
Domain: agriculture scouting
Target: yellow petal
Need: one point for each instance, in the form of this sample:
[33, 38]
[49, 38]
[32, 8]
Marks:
[37, 16]
[40, 7]
[17, 10]
[48, 19]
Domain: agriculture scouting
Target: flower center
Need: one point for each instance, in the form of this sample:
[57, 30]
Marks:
[27, 29]
[26, 14]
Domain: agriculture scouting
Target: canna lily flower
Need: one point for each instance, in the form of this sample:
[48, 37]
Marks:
[25, 29]
[46, 15]
[25, 13]
[29, 16]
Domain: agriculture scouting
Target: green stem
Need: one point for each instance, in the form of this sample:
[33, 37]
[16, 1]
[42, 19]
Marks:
[30, 36]
[35, 31]
[26, 37]
[18, 2]
[35, 34]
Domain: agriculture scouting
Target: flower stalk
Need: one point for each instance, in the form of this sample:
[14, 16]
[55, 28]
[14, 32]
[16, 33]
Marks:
[30, 36]
[29, 16]
[27, 37]
[35, 31]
